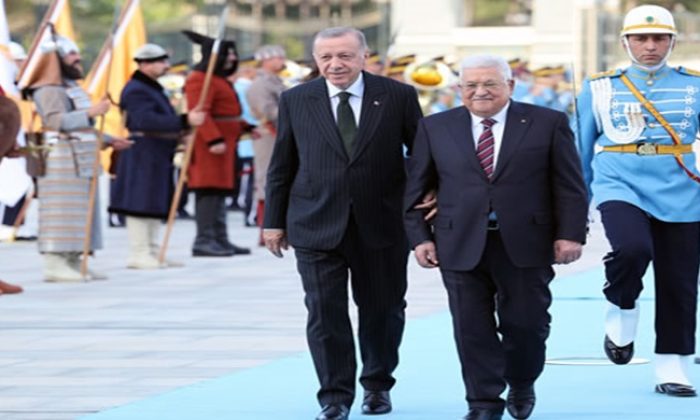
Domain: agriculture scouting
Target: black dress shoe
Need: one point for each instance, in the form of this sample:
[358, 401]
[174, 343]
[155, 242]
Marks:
[334, 412]
[376, 402]
[520, 401]
[211, 249]
[676, 390]
[620, 355]
[483, 414]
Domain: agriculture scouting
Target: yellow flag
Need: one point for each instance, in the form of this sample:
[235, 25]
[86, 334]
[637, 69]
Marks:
[115, 64]
[58, 15]
[63, 23]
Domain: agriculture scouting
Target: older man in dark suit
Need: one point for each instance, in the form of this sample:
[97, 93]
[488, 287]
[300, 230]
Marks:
[511, 202]
[334, 192]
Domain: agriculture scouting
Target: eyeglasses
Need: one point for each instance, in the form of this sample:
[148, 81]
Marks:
[489, 85]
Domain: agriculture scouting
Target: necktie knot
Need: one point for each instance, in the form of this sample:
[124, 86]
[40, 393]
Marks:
[344, 97]
[488, 122]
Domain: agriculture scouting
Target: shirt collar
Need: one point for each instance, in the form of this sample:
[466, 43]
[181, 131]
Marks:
[499, 117]
[355, 89]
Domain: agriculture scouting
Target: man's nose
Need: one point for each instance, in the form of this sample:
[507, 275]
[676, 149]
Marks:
[650, 44]
[335, 62]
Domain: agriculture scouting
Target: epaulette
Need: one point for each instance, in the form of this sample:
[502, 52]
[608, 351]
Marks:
[687, 71]
[609, 73]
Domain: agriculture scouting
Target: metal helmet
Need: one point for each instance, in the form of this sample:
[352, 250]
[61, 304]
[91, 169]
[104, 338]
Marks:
[648, 19]
[60, 44]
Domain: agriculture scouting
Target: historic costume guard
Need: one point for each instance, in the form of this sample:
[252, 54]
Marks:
[67, 116]
[211, 171]
[144, 184]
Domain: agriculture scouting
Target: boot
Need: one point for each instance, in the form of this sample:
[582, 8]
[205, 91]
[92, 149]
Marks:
[57, 268]
[154, 244]
[221, 229]
[138, 231]
[75, 262]
[9, 289]
[205, 243]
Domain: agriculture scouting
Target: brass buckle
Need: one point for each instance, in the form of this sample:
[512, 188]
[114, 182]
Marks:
[646, 149]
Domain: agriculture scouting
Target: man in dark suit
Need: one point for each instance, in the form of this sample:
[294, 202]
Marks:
[334, 192]
[511, 202]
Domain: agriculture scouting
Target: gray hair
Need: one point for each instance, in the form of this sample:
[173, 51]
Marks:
[339, 31]
[269, 51]
[486, 61]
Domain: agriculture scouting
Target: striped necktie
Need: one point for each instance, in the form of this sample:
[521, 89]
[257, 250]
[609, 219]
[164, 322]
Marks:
[485, 147]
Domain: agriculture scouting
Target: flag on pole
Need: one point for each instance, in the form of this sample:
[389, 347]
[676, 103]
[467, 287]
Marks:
[57, 15]
[116, 63]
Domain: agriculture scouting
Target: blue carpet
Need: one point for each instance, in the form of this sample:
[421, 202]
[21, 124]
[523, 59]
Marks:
[429, 384]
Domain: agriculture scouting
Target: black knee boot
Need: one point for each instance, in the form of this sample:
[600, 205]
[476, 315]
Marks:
[205, 243]
[221, 229]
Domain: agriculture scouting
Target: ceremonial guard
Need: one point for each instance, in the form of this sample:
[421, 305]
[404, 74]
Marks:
[144, 185]
[637, 126]
[263, 97]
[211, 171]
[67, 116]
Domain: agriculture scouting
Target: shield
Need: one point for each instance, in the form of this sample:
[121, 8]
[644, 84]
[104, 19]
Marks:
[10, 121]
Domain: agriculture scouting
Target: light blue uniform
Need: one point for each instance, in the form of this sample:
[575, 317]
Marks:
[655, 184]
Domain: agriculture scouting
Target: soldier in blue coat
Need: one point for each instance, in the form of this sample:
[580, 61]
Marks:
[637, 126]
[144, 183]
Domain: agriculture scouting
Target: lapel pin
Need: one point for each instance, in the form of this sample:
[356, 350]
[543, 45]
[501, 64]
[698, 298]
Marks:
[375, 103]
[523, 121]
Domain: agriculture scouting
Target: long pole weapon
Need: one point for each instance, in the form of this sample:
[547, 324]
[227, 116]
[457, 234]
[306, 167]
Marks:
[96, 162]
[190, 145]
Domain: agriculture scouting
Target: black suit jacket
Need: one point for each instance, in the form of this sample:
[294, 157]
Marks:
[313, 185]
[537, 190]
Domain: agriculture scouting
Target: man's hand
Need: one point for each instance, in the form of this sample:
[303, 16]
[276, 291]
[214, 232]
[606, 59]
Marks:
[218, 148]
[429, 204]
[196, 117]
[426, 255]
[119, 143]
[566, 251]
[99, 108]
[275, 240]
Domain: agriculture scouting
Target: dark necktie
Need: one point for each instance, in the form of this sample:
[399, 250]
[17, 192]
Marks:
[346, 122]
[484, 148]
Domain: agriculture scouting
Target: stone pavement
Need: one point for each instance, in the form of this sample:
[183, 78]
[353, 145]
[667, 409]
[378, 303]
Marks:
[71, 349]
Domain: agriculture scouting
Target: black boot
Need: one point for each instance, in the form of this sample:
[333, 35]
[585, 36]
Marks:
[221, 229]
[205, 243]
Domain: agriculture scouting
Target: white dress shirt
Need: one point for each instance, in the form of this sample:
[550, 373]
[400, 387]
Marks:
[356, 90]
[497, 129]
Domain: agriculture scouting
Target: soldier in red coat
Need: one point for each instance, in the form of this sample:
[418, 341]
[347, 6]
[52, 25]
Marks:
[210, 173]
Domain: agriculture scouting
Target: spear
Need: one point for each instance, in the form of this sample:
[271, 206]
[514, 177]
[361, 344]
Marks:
[190, 145]
[100, 141]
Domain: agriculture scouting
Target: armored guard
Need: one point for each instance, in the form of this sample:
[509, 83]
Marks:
[637, 126]
[67, 116]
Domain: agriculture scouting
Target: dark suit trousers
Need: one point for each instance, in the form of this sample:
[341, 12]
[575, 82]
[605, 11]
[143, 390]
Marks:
[378, 279]
[636, 239]
[520, 298]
